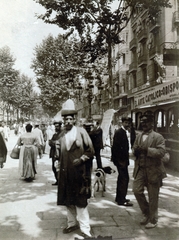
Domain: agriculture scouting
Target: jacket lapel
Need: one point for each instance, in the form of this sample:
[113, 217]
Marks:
[150, 139]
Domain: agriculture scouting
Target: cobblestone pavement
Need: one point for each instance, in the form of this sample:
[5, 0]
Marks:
[28, 211]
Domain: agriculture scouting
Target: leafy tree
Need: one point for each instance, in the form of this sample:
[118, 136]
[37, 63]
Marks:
[16, 90]
[8, 78]
[98, 22]
[58, 63]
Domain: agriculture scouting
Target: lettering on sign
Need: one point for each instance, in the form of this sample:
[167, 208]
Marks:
[160, 94]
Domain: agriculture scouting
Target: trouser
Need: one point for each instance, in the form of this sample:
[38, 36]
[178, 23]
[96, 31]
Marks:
[54, 169]
[122, 184]
[40, 151]
[77, 215]
[148, 208]
[98, 157]
[43, 147]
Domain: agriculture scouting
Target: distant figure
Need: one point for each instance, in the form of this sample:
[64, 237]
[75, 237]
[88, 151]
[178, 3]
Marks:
[38, 133]
[21, 128]
[53, 150]
[5, 130]
[28, 154]
[96, 135]
[50, 131]
[44, 133]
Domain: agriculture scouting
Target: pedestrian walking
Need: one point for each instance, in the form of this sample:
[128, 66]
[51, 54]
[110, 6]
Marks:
[21, 128]
[38, 133]
[120, 158]
[96, 135]
[44, 133]
[50, 131]
[149, 148]
[53, 152]
[28, 154]
[76, 150]
[5, 130]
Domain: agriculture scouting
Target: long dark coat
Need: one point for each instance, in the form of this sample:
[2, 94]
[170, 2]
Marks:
[120, 149]
[74, 182]
[96, 136]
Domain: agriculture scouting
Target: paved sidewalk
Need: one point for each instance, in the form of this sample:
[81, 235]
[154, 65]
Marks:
[28, 211]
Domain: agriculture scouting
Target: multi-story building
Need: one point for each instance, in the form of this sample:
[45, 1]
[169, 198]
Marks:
[146, 74]
[154, 72]
[121, 57]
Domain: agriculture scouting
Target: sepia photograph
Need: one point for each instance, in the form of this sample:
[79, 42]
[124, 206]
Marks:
[89, 119]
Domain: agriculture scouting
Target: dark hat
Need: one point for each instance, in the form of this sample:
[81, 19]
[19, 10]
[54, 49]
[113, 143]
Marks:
[147, 117]
[68, 108]
[57, 122]
[125, 118]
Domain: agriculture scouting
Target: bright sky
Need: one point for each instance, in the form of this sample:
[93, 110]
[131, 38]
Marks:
[20, 30]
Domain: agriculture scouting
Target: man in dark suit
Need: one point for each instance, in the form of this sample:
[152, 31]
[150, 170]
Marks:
[96, 135]
[120, 158]
[52, 144]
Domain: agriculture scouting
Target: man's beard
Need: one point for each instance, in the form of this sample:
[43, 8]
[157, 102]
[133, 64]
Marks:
[68, 127]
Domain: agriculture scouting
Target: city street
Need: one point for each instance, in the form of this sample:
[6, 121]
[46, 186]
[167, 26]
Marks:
[28, 210]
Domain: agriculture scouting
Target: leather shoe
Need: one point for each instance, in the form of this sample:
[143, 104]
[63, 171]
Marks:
[86, 236]
[144, 220]
[150, 225]
[126, 204]
[54, 184]
[70, 229]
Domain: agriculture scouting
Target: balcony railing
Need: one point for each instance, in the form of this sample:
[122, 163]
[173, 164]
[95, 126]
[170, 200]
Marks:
[142, 60]
[142, 36]
[152, 52]
[133, 43]
[133, 67]
[154, 26]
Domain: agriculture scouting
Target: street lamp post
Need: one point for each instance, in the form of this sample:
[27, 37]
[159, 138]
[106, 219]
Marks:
[89, 88]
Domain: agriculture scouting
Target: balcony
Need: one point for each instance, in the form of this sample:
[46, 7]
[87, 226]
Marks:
[133, 67]
[152, 52]
[142, 60]
[176, 18]
[133, 43]
[142, 36]
[154, 26]
[170, 53]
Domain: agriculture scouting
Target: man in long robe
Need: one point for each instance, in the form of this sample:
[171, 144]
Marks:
[76, 153]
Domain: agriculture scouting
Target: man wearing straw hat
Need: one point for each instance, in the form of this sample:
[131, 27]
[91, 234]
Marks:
[75, 156]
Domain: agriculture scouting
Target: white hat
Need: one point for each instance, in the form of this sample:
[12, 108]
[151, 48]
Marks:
[68, 108]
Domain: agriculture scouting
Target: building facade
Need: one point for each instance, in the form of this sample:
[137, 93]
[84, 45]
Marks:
[154, 72]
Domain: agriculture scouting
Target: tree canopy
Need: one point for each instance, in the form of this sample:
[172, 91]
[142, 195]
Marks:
[57, 62]
[104, 18]
[16, 90]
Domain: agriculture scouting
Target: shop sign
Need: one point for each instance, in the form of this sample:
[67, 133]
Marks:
[159, 94]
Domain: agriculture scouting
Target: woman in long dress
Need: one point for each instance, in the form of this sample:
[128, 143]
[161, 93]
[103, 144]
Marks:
[28, 154]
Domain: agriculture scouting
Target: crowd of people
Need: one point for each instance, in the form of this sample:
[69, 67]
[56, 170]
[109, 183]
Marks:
[72, 149]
